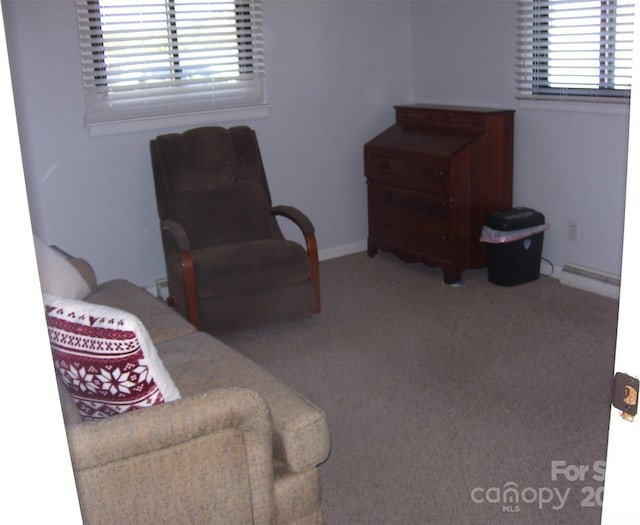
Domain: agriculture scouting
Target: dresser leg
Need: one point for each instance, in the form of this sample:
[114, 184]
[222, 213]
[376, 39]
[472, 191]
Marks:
[372, 250]
[452, 275]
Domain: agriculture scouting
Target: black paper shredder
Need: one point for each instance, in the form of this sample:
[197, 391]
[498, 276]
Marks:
[514, 258]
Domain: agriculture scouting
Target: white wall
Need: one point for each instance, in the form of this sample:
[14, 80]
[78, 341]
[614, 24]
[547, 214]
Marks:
[570, 162]
[334, 71]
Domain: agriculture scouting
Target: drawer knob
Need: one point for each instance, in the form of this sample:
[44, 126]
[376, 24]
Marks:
[432, 174]
[381, 165]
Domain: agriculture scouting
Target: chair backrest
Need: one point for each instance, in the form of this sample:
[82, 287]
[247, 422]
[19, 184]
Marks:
[211, 180]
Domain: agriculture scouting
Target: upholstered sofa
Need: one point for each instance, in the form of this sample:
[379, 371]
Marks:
[238, 446]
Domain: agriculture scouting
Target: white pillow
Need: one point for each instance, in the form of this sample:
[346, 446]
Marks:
[105, 358]
[57, 275]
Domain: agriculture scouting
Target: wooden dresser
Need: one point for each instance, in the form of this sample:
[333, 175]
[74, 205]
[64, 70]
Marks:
[432, 178]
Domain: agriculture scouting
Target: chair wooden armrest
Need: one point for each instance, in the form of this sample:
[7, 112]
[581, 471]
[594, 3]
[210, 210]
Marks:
[178, 248]
[306, 226]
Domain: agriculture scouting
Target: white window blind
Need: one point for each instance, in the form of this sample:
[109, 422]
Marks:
[157, 58]
[578, 49]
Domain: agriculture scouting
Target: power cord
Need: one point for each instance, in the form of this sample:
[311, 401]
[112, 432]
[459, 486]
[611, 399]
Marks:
[550, 264]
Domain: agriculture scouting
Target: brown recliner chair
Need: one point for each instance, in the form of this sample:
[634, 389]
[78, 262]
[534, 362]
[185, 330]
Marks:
[228, 264]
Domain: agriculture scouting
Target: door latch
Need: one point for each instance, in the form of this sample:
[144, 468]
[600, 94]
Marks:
[625, 395]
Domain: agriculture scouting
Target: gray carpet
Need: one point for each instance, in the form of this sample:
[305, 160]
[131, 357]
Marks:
[441, 398]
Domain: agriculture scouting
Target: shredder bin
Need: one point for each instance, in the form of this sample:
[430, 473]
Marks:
[514, 240]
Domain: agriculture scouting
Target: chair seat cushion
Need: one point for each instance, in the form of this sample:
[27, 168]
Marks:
[249, 266]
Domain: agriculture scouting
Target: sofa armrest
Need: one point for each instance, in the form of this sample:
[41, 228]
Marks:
[202, 459]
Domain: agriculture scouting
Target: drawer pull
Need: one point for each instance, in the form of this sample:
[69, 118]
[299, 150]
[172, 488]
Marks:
[381, 165]
[429, 206]
[438, 176]
[435, 237]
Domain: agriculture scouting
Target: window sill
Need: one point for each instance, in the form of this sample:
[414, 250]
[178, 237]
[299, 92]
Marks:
[610, 107]
[182, 120]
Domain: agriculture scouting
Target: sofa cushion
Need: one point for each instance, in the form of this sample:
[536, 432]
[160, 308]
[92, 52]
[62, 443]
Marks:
[160, 320]
[57, 275]
[105, 358]
[199, 362]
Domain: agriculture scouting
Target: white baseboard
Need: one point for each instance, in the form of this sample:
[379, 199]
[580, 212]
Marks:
[591, 280]
[572, 274]
[339, 251]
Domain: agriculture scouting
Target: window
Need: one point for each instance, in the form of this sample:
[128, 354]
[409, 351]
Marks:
[579, 49]
[157, 59]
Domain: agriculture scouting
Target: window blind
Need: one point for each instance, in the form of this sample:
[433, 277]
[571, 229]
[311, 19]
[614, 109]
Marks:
[155, 58]
[574, 49]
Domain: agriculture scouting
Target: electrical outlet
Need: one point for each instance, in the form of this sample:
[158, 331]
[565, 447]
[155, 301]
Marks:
[572, 232]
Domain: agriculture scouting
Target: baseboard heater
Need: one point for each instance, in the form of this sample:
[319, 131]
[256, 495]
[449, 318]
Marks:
[591, 280]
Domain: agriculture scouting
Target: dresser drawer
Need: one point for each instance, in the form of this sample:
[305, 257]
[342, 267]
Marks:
[415, 203]
[433, 177]
[410, 219]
